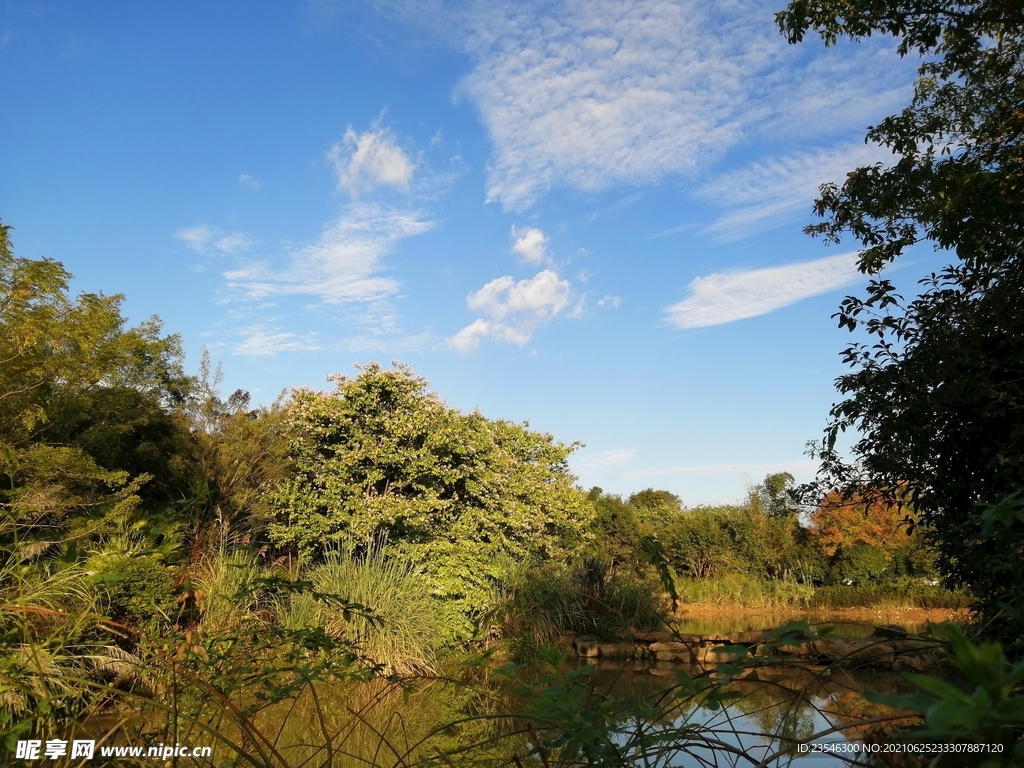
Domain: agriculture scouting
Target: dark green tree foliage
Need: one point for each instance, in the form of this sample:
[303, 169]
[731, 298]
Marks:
[776, 495]
[710, 541]
[858, 565]
[237, 455]
[86, 427]
[653, 505]
[384, 460]
[938, 399]
[616, 530]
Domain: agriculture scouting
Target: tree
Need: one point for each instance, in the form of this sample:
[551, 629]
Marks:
[617, 532]
[842, 522]
[655, 507]
[776, 495]
[382, 461]
[937, 399]
[86, 403]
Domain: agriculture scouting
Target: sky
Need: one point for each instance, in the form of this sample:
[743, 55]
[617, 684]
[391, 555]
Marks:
[584, 215]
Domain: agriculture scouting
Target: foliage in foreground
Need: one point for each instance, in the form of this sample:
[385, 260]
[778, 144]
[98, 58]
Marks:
[935, 395]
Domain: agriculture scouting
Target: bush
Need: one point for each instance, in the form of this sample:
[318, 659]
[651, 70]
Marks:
[858, 565]
[143, 592]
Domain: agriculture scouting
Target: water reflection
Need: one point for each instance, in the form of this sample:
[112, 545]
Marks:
[780, 706]
[479, 720]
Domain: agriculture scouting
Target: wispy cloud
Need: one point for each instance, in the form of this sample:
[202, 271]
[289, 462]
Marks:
[513, 310]
[260, 341]
[365, 161]
[530, 243]
[591, 93]
[728, 296]
[343, 265]
[609, 301]
[769, 192]
[613, 458]
[205, 239]
[248, 181]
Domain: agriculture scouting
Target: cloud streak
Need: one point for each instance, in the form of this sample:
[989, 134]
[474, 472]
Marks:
[343, 265]
[207, 240]
[725, 297]
[769, 192]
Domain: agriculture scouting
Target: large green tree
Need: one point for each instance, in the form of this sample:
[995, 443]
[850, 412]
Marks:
[87, 406]
[383, 461]
[936, 398]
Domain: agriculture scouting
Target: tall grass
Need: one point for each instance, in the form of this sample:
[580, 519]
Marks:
[738, 590]
[916, 596]
[225, 590]
[403, 631]
[538, 604]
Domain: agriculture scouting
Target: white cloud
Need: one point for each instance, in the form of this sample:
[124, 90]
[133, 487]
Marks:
[205, 239]
[543, 295]
[343, 265]
[766, 193]
[259, 341]
[612, 458]
[610, 301]
[530, 243]
[727, 296]
[515, 309]
[364, 161]
[591, 93]
[248, 181]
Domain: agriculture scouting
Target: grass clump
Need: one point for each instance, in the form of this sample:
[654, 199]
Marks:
[402, 630]
[740, 590]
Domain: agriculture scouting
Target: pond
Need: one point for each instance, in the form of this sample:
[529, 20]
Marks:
[631, 707]
[633, 712]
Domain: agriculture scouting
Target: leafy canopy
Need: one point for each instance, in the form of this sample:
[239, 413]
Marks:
[85, 402]
[383, 460]
[938, 396]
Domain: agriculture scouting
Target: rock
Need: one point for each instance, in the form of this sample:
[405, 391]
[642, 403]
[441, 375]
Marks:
[651, 637]
[903, 663]
[908, 646]
[688, 638]
[704, 654]
[747, 638]
[624, 650]
[803, 650]
[831, 648]
[889, 632]
[669, 647]
[875, 654]
[681, 658]
[587, 646]
[716, 654]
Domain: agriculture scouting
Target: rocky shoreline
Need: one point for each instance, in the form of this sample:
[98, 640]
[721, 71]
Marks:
[888, 648]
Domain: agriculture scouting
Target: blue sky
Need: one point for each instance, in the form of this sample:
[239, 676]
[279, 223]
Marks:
[584, 214]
